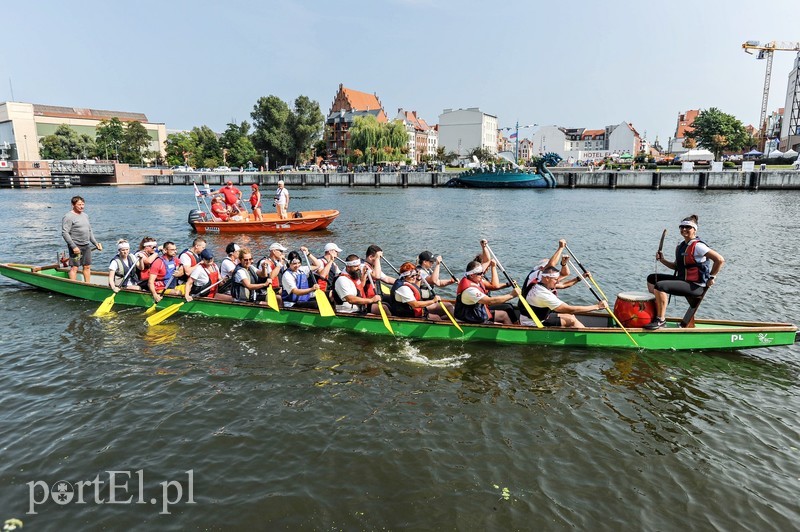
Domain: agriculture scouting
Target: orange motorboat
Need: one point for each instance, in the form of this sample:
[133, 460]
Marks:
[204, 222]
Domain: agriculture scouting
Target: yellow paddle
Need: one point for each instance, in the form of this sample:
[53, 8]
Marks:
[272, 300]
[323, 304]
[444, 307]
[152, 307]
[163, 314]
[384, 317]
[611, 312]
[522, 300]
[105, 306]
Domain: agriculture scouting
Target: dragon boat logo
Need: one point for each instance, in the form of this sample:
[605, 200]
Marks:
[764, 338]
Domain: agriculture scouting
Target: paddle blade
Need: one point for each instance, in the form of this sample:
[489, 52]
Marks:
[272, 301]
[161, 315]
[324, 304]
[385, 318]
[452, 319]
[105, 306]
[385, 290]
[151, 309]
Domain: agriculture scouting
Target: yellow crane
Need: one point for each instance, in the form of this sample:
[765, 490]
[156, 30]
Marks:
[765, 51]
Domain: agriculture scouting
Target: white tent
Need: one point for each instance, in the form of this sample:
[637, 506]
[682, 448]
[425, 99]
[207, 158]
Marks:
[697, 155]
[790, 154]
[775, 154]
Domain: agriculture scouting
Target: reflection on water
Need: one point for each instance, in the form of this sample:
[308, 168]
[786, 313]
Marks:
[310, 429]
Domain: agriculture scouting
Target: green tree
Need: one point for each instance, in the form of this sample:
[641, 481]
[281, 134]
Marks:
[66, 143]
[110, 136]
[237, 144]
[135, 142]
[718, 132]
[306, 125]
[208, 152]
[179, 147]
[272, 133]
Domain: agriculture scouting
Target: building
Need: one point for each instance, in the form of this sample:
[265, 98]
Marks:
[347, 105]
[581, 144]
[23, 125]
[463, 130]
[422, 138]
[685, 121]
[790, 129]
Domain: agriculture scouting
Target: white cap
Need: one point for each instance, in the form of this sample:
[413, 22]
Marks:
[277, 246]
[330, 246]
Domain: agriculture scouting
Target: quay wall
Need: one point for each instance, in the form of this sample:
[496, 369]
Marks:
[726, 180]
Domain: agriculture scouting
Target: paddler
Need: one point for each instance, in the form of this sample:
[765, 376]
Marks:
[164, 272]
[550, 310]
[120, 268]
[473, 302]
[694, 273]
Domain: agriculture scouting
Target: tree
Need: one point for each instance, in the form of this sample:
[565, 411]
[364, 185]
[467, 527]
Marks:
[110, 134]
[135, 142]
[66, 143]
[179, 146]
[306, 126]
[271, 121]
[237, 144]
[367, 133]
[207, 152]
[718, 132]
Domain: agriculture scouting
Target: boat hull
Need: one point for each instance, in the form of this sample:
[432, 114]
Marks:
[709, 334]
[488, 179]
[270, 223]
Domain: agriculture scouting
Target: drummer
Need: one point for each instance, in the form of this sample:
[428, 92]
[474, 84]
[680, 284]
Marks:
[693, 272]
[550, 310]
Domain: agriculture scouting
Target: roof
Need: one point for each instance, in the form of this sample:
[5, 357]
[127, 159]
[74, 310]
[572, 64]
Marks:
[593, 133]
[361, 101]
[685, 121]
[89, 114]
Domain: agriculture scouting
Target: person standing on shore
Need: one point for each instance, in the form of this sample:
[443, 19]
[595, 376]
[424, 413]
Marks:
[281, 200]
[77, 233]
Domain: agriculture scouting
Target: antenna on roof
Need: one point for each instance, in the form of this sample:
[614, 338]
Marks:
[12, 88]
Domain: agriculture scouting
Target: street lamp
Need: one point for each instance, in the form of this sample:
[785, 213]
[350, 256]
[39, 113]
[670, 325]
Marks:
[516, 137]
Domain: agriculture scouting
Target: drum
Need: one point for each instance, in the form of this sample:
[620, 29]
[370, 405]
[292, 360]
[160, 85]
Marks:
[635, 309]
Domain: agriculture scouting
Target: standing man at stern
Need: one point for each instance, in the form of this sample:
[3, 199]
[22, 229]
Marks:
[77, 233]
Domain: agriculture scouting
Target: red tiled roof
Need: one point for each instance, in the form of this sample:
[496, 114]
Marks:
[361, 101]
[592, 133]
[685, 122]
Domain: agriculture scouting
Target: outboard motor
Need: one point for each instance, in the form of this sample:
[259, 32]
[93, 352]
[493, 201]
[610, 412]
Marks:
[196, 215]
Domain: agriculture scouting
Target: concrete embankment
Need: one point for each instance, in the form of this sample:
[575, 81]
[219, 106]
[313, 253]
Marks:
[726, 180]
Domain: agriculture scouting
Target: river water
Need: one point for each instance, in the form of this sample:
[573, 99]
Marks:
[282, 427]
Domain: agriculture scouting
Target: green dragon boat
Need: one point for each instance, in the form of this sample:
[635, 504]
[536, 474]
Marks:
[600, 331]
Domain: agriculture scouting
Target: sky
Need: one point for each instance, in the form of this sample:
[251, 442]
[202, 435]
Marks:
[574, 64]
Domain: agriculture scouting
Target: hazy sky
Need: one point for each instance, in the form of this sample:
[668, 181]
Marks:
[569, 63]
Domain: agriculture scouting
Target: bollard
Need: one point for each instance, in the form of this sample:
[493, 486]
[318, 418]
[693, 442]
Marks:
[656, 183]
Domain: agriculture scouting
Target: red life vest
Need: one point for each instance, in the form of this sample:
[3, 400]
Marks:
[322, 282]
[686, 265]
[276, 281]
[477, 313]
[356, 282]
[213, 279]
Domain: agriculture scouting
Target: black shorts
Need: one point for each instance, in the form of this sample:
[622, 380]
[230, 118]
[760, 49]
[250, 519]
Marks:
[552, 320]
[672, 284]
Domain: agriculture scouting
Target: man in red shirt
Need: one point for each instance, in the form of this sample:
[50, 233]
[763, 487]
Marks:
[232, 195]
[163, 272]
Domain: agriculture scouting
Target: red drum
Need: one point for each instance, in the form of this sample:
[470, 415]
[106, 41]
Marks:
[635, 309]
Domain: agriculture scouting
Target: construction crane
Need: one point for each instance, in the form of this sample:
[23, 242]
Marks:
[765, 51]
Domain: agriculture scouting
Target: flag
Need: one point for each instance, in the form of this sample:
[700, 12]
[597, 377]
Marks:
[512, 136]
[197, 192]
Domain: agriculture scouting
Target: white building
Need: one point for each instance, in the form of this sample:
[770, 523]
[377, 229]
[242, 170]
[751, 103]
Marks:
[579, 144]
[23, 125]
[790, 128]
[463, 130]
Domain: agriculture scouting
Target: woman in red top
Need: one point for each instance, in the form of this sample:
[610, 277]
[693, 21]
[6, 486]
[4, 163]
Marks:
[255, 202]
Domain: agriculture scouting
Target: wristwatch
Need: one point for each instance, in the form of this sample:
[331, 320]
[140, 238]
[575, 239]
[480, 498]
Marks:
[712, 276]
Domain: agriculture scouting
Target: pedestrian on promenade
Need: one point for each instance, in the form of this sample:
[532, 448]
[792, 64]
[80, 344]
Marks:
[77, 233]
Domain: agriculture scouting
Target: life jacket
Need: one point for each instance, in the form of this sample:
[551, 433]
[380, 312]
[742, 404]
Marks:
[369, 289]
[124, 267]
[170, 266]
[426, 291]
[194, 259]
[477, 313]
[255, 200]
[405, 310]
[276, 281]
[324, 284]
[687, 268]
[225, 288]
[356, 281]
[144, 274]
[239, 291]
[301, 279]
[213, 278]
[529, 284]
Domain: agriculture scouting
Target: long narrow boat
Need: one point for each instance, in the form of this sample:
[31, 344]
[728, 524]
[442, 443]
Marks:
[708, 334]
[270, 222]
